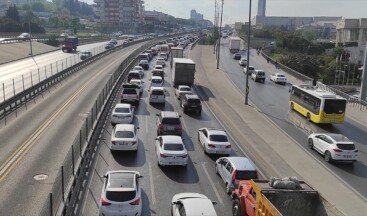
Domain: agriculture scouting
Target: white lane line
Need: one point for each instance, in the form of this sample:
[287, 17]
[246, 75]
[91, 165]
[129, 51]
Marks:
[212, 184]
[151, 184]
[146, 123]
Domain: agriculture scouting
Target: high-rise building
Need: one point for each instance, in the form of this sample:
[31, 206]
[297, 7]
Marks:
[122, 15]
[193, 14]
[261, 8]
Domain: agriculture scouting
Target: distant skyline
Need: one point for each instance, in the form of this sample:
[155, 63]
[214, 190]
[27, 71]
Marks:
[237, 10]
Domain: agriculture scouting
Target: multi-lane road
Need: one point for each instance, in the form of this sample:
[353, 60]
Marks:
[272, 100]
[68, 105]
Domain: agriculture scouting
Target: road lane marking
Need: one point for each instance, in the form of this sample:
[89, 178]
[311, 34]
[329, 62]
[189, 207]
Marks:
[151, 184]
[146, 123]
[20, 152]
[212, 184]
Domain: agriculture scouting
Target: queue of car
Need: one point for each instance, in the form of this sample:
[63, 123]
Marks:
[121, 193]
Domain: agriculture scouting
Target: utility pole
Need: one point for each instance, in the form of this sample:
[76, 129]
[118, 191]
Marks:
[364, 77]
[247, 89]
[220, 30]
[30, 36]
[214, 22]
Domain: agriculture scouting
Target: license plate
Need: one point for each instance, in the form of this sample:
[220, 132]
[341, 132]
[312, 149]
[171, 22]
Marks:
[123, 143]
[193, 106]
[347, 156]
[170, 128]
[220, 152]
[154, 97]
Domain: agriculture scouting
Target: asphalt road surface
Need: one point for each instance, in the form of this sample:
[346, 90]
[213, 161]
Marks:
[272, 100]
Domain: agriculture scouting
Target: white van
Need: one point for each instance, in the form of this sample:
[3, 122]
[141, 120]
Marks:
[157, 95]
[156, 81]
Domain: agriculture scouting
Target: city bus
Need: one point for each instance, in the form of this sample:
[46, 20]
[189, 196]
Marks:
[317, 105]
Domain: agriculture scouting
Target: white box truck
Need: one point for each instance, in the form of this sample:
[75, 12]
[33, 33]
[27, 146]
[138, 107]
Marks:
[183, 72]
[176, 52]
[234, 44]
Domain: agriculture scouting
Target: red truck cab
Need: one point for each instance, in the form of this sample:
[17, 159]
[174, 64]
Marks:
[244, 199]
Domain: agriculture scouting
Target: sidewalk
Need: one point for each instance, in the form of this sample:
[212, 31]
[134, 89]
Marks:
[268, 145]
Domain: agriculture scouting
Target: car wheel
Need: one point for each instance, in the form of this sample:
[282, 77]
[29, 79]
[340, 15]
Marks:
[228, 190]
[310, 143]
[328, 157]
[199, 138]
[308, 117]
[236, 207]
[158, 134]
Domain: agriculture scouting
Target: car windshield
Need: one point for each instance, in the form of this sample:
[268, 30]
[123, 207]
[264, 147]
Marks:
[173, 121]
[122, 110]
[261, 73]
[120, 196]
[194, 101]
[157, 92]
[246, 175]
[156, 80]
[333, 106]
[346, 146]
[218, 138]
[173, 147]
[124, 134]
[280, 75]
[185, 89]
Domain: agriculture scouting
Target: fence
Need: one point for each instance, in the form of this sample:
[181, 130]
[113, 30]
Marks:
[69, 181]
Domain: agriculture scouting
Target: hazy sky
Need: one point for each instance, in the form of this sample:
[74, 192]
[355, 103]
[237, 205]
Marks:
[237, 10]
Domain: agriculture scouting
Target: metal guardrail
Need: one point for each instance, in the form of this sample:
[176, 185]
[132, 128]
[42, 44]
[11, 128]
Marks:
[69, 182]
[355, 102]
[43, 38]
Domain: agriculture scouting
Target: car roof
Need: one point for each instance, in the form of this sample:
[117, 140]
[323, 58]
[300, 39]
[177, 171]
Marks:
[260, 71]
[184, 86]
[170, 114]
[241, 163]
[156, 77]
[122, 179]
[279, 74]
[136, 80]
[160, 58]
[122, 105]
[138, 66]
[134, 71]
[218, 131]
[172, 139]
[125, 127]
[338, 137]
[156, 88]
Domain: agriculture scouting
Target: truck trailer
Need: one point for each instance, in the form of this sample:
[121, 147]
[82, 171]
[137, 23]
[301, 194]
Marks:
[183, 72]
[176, 52]
[234, 44]
[258, 198]
[70, 44]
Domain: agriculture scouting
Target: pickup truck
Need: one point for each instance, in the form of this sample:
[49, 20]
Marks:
[258, 198]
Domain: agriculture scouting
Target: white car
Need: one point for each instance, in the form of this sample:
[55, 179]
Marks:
[156, 81]
[160, 61]
[278, 78]
[139, 83]
[251, 69]
[122, 113]
[124, 138]
[192, 204]
[158, 67]
[140, 69]
[242, 62]
[157, 95]
[121, 193]
[170, 150]
[163, 55]
[214, 141]
[334, 147]
[182, 90]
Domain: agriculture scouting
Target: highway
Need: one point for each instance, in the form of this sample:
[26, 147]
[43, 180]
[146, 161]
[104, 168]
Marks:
[272, 100]
[161, 183]
[46, 130]
[38, 68]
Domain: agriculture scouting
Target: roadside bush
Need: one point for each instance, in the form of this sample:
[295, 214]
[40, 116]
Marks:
[53, 41]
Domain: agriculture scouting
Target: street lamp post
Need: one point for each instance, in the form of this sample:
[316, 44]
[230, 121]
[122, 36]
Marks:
[220, 30]
[214, 22]
[247, 89]
[30, 36]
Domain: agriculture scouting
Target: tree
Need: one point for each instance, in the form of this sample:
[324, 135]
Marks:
[54, 21]
[38, 6]
[13, 13]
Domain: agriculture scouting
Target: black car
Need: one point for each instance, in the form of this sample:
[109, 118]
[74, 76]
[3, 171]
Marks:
[237, 56]
[85, 55]
[191, 103]
[144, 64]
[169, 123]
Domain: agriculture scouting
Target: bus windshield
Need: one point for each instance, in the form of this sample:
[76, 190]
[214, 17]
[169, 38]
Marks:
[333, 106]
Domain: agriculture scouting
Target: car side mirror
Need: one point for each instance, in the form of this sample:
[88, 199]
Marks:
[140, 176]
[138, 128]
[180, 116]
[214, 203]
[104, 176]
[157, 114]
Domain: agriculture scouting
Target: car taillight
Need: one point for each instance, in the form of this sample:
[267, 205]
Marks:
[356, 150]
[133, 142]
[234, 176]
[228, 146]
[180, 127]
[137, 97]
[104, 202]
[113, 142]
[211, 146]
[337, 150]
[136, 202]
[200, 104]
[160, 126]
[184, 156]
[162, 155]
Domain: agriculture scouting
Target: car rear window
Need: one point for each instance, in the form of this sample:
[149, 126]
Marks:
[129, 91]
[124, 134]
[156, 80]
[281, 75]
[157, 92]
[218, 138]
[261, 73]
[246, 175]
[120, 196]
[171, 121]
[194, 101]
[251, 68]
[346, 146]
[173, 147]
[185, 89]
[122, 110]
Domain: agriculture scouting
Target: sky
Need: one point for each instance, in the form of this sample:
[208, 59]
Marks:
[237, 10]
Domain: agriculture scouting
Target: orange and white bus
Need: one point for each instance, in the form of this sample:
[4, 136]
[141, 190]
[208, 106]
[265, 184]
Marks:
[317, 105]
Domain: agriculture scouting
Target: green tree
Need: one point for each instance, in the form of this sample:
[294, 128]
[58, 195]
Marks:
[38, 6]
[54, 21]
[53, 41]
[13, 13]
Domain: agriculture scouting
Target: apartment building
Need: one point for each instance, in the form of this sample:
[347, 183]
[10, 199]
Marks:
[119, 15]
[352, 35]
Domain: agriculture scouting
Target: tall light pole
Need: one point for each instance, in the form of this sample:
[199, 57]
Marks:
[247, 89]
[214, 21]
[220, 30]
[30, 36]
